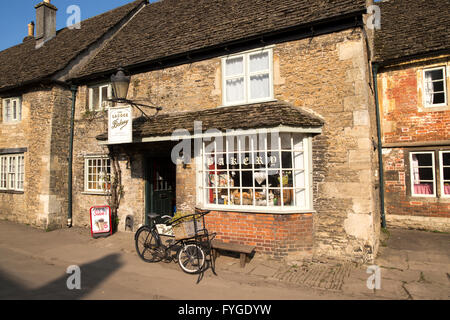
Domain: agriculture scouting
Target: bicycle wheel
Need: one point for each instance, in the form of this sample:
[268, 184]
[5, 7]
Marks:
[191, 258]
[147, 245]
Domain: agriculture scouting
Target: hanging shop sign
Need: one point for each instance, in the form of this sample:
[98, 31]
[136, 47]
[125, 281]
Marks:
[120, 125]
[100, 221]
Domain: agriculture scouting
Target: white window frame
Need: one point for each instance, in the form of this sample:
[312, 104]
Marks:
[411, 171]
[444, 74]
[11, 179]
[246, 75]
[14, 118]
[86, 173]
[307, 174]
[441, 169]
[103, 105]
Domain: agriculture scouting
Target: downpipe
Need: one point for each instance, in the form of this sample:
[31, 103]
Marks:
[380, 145]
[74, 90]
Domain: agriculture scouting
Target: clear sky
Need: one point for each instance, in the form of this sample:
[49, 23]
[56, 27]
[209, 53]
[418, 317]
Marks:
[15, 15]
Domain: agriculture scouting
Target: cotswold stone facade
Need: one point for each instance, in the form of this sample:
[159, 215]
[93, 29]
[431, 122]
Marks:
[313, 84]
[327, 75]
[41, 136]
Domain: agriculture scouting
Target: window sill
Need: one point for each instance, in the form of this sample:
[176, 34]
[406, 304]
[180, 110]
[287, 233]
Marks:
[11, 123]
[266, 210]
[12, 192]
[93, 193]
[438, 108]
[247, 103]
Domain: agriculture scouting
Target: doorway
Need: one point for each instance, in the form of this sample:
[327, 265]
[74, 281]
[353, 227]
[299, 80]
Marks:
[160, 195]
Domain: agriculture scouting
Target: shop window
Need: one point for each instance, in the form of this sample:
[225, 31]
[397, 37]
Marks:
[98, 97]
[435, 87]
[444, 161]
[261, 171]
[422, 174]
[12, 172]
[247, 78]
[97, 174]
[12, 110]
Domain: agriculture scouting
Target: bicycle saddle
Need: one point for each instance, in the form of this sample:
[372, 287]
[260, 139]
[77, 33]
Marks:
[153, 215]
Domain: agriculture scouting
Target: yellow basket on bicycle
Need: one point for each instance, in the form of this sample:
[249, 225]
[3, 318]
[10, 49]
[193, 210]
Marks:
[187, 227]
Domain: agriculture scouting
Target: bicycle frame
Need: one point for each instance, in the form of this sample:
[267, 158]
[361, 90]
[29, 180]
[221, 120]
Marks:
[201, 239]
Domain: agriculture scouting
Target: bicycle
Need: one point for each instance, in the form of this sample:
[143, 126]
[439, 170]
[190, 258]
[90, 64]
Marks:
[192, 252]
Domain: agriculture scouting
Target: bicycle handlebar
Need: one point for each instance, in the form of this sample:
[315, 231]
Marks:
[199, 214]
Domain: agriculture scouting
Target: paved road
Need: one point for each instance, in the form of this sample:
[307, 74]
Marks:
[33, 265]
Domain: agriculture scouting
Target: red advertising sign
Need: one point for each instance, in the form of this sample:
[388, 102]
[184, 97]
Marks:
[100, 221]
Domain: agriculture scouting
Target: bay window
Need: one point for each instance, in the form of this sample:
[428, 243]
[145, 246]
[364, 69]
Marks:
[247, 77]
[12, 172]
[262, 171]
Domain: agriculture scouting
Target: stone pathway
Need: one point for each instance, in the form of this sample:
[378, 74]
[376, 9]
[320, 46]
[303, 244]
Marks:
[316, 275]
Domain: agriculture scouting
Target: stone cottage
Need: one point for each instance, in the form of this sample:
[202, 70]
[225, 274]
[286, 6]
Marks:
[272, 101]
[413, 67]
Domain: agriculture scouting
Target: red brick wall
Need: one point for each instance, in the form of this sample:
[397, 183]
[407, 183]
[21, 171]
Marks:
[398, 199]
[405, 119]
[275, 235]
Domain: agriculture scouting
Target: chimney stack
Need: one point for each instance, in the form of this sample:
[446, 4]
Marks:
[30, 35]
[31, 29]
[45, 22]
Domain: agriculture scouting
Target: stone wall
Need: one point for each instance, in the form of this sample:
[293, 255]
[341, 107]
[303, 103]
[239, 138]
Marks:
[86, 127]
[43, 131]
[327, 75]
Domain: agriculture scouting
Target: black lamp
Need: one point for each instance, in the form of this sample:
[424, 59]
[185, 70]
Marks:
[120, 84]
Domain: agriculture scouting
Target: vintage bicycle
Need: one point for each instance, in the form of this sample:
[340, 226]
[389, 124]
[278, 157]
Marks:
[187, 236]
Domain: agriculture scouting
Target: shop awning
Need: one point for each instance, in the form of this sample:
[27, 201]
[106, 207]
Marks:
[277, 115]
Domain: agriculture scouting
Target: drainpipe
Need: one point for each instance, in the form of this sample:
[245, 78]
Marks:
[74, 90]
[380, 145]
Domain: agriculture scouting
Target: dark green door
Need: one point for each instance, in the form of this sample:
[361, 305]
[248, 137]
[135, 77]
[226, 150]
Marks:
[160, 186]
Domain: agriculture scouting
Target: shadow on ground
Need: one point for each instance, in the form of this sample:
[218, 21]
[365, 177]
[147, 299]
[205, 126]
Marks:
[92, 275]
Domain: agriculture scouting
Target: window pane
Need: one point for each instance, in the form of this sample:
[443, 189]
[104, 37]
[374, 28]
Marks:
[446, 174]
[235, 90]
[261, 198]
[423, 159]
[425, 174]
[234, 66]
[14, 110]
[95, 98]
[424, 188]
[8, 110]
[286, 160]
[439, 98]
[438, 86]
[259, 62]
[435, 74]
[446, 158]
[259, 86]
